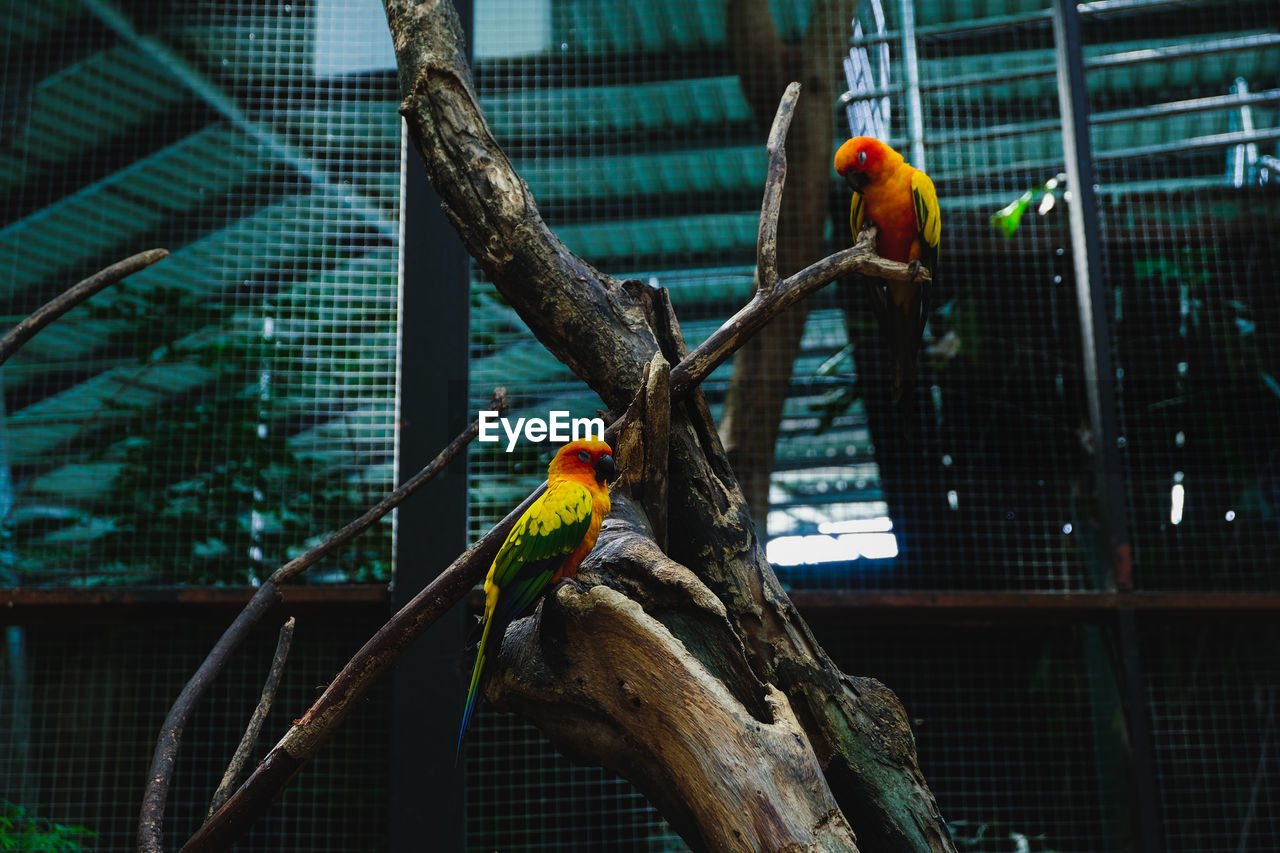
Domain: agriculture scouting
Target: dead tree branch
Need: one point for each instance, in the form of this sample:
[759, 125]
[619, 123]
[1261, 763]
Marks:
[776, 178]
[608, 332]
[245, 748]
[16, 337]
[151, 819]
[358, 676]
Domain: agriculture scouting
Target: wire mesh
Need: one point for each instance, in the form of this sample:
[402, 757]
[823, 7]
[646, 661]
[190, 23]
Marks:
[658, 175]
[511, 771]
[634, 125]
[81, 707]
[202, 420]
[1189, 214]
[1211, 693]
[1007, 724]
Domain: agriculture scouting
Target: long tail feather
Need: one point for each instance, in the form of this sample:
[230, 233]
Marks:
[473, 692]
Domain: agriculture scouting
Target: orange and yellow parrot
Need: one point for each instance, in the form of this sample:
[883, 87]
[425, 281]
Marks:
[545, 546]
[901, 202]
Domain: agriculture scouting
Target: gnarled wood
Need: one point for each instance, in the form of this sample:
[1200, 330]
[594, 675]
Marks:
[603, 330]
[715, 596]
[720, 753]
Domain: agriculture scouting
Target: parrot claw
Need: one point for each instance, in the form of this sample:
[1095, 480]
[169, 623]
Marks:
[578, 586]
[913, 269]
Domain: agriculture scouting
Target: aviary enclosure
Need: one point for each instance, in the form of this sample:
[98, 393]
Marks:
[1062, 567]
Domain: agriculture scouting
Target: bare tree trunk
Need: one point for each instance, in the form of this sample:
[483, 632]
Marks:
[762, 369]
[691, 673]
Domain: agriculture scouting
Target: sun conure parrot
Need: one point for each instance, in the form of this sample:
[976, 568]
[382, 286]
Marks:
[544, 547]
[901, 202]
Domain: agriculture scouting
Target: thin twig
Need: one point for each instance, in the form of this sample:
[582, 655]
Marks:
[349, 686]
[767, 237]
[151, 820]
[73, 296]
[726, 340]
[241, 757]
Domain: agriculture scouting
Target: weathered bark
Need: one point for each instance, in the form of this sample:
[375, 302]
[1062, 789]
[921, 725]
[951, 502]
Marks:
[720, 754]
[607, 331]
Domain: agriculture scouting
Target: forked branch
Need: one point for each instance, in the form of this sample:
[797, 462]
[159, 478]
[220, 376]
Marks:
[593, 322]
[355, 679]
[241, 757]
[156, 793]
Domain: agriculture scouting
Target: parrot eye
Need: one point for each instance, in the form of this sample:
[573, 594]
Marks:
[584, 455]
[862, 158]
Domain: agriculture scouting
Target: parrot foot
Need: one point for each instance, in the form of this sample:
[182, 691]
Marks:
[578, 586]
[913, 269]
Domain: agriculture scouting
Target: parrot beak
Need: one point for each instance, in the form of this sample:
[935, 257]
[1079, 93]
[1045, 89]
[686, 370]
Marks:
[857, 180]
[605, 469]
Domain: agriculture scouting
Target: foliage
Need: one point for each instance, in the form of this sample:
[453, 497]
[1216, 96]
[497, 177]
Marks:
[1007, 219]
[22, 830]
[222, 482]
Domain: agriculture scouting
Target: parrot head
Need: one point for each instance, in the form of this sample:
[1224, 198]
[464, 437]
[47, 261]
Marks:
[864, 159]
[581, 458]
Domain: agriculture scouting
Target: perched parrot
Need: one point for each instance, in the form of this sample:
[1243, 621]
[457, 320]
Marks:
[545, 546]
[901, 202]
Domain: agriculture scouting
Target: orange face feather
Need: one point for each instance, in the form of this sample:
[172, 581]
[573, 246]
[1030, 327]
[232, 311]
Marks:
[588, 463]
[580, 460]
[883, 179]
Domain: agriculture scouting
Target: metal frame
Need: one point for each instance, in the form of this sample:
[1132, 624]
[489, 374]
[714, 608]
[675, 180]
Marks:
[431, 529]
[1099, 374]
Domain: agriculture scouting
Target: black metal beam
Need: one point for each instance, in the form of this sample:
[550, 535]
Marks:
[427, 791]
[178, 604]
[1100, 389]
[1002, 608]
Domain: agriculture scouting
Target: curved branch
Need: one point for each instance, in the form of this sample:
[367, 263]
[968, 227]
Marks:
[586, 318]
[156, 793]
[767, 237]
[16, 337]
[770, 301]
[603, 329]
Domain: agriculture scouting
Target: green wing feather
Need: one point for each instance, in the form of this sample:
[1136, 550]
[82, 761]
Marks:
[928, 218]
[857, 214]
[533, 552]
[553, 527]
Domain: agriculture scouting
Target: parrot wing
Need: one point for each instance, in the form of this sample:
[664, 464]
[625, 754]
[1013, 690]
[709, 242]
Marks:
[857, 215]
[539, 543]
[928, 218]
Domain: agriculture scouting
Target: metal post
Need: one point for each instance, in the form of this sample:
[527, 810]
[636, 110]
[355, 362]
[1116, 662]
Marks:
[911, 66]
[427, 789]
[1091, 296]
[1099, 374]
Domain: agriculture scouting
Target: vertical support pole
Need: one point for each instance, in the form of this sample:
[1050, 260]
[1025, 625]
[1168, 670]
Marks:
[1091, 295]
[427, 790]
[911, 65]
[1099, 375]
